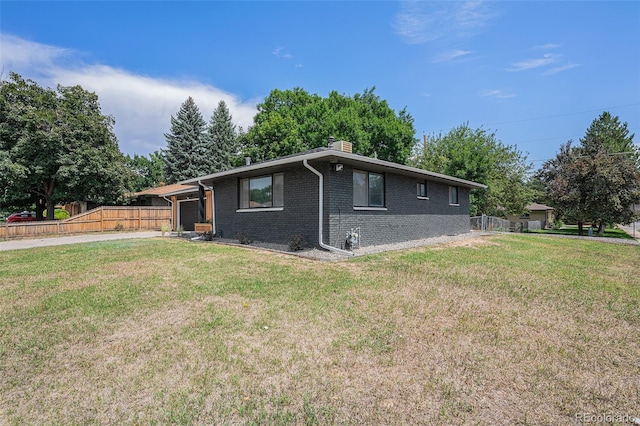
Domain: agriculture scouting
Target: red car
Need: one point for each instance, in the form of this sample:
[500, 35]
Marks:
[22, 217]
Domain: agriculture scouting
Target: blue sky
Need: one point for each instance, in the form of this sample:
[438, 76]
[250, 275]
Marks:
[535, 72]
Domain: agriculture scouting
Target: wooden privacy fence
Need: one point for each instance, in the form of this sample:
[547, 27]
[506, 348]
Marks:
[106, 218]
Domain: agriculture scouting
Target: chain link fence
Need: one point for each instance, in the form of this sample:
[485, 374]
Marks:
[496, 224]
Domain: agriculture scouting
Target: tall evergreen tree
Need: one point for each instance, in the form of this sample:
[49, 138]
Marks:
[609, 134]
[222, 137]
[187, 154]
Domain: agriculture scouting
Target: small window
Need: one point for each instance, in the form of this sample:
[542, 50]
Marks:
[453, 195]
[262, 192]
[421, 189]
[368, 189]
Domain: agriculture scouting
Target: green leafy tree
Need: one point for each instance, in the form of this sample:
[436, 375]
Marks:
[597, 181]
[146, 172]
[477, 155]
[222, 138]
[187, 155]
[293, 121]
[55, 147]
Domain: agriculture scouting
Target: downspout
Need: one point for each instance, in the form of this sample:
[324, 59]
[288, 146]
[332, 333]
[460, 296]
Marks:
[213, 205]
[171, 204]
[321, 210]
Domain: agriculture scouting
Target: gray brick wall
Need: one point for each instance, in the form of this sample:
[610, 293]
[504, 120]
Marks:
[299, 216]
[406, 217]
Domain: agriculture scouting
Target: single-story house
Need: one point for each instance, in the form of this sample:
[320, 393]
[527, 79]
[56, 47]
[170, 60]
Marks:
[535, 211]
[325, 193]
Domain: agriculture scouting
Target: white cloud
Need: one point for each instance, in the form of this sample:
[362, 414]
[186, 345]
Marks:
[141, 105]
[281, 53]
[450, 55]
[422, 22]
[547, 46]
[497, 93]
[561, 68]
[547, 59]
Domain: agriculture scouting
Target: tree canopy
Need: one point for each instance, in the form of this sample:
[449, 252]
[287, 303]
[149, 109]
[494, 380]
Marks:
[477, 155]
[145, 172]
[292, 121]
[55, 147]
[597, 181]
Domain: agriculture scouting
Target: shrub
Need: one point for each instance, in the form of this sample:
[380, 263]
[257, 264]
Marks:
[557, 224]
[243, 238]
[297, 243]
[165, 228]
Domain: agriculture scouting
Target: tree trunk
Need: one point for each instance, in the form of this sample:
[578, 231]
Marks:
[580, 226]
[51, 205]
[40, 206]
[601, 229]
[51, 209]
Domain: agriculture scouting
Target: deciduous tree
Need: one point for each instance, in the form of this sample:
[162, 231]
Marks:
[477, 155]
[146, 172]
[597, 181]
[293, 121]
[56, 146]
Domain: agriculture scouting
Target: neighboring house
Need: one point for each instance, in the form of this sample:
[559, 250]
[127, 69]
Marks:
[182, 198]
[324, 193]
[535, 211]
[78, 207]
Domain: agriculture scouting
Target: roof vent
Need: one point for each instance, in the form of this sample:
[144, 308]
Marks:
[332, 140]
[247, 161]
[343, 146]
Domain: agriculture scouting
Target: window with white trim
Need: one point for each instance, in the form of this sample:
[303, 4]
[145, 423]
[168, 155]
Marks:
[453, 195]
[368, 189]
[262, 192]
[421, 189]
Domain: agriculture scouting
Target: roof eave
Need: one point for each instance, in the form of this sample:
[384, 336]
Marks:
[335, 154]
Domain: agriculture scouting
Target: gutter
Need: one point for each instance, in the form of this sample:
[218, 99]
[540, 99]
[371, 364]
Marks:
[213, 205]
[321, 211]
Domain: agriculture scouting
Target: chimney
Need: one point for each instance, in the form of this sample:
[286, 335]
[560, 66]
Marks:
[247, 161]
[343, 146]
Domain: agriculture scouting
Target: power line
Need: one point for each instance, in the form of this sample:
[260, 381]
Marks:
[562, 115]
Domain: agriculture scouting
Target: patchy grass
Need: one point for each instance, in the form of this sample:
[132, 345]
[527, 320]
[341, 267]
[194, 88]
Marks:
[508, 329]
[573, 230]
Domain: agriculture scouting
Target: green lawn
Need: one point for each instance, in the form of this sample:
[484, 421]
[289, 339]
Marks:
[508, 329]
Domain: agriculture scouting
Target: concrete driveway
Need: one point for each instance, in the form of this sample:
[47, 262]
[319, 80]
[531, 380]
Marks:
[73, 239]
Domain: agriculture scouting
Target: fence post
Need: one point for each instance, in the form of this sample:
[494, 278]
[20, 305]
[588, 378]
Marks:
[139, 218]
[101, 219]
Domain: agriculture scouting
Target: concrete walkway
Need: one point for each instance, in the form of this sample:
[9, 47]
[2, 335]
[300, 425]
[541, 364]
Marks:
[630, 228]
[73, 239]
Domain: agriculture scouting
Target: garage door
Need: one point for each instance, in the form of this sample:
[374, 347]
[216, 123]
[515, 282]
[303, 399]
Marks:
[188, 214]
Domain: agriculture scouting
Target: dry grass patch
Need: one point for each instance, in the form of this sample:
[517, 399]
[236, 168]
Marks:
[507, 331]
